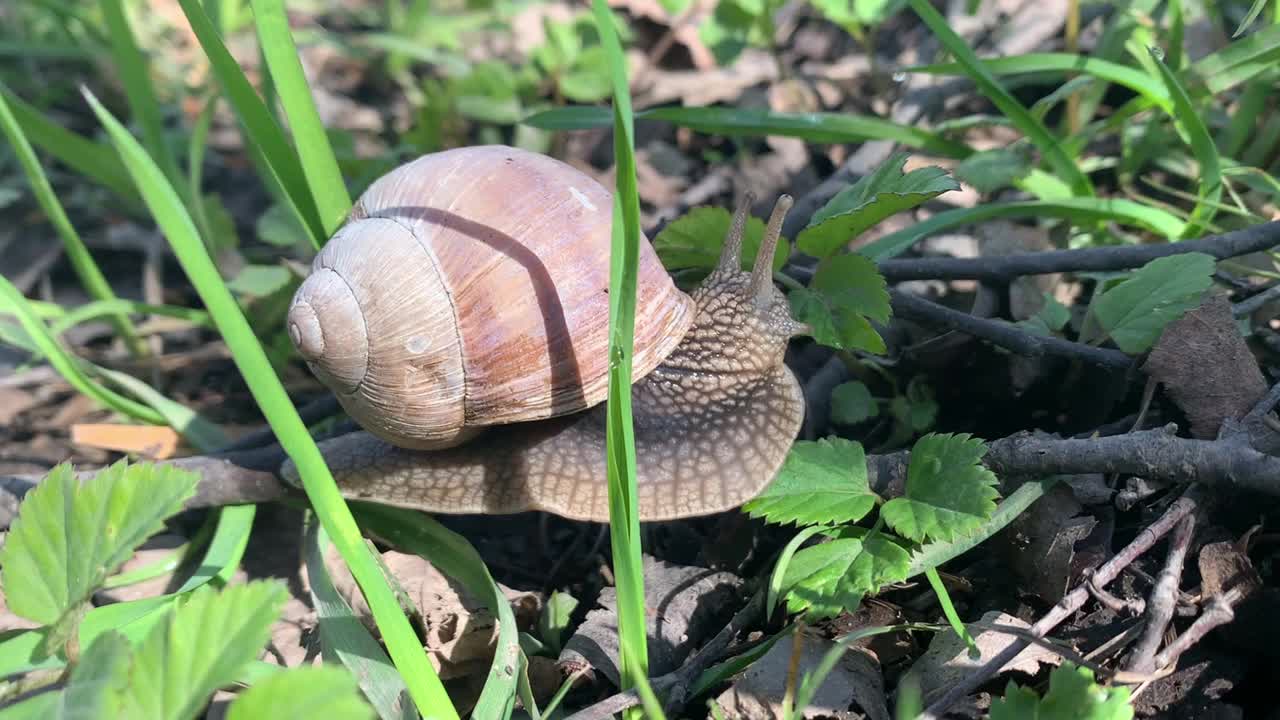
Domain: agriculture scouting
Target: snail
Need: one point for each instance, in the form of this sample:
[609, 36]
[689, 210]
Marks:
[461, 317]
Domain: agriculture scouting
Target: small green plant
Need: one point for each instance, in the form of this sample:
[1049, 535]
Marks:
[168, 659]
[1073, 695]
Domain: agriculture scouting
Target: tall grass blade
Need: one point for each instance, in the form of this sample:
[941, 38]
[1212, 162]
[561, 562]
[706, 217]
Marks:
[1081, 211]
[135, 76]
[318, 162]
[176, 224]
[263, 134]
[1062, 164]
[624, 518]
[91, 277]
[1209, 191]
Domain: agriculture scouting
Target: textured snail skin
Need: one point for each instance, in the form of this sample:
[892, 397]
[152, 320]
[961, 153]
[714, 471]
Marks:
[713, 424]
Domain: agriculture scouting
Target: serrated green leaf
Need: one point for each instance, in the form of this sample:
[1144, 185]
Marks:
[694, 240]
[948, 493]
[832, 577]
[316, 691]
[70, 535]
[845, 291]
[1136, 311]
[822, 482]
[885, 192]
[200, 647]
[991, 170]
[98, 680]
[1073, 695]
[852, 403]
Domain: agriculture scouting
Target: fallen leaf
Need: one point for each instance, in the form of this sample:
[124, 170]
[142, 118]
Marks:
[155, 442]
[1041, 543]
[686, 605]
[1206, 367]
[855, 681]
[947, 660]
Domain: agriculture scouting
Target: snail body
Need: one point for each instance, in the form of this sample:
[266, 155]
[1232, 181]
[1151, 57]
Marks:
[520, 425]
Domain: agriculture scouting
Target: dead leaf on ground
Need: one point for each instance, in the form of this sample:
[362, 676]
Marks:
[1206, 367]
[153, 442]
[1040, 543]
[697, 88]
[947, 660]
[685, 605]
[856, 681]
[13, 402]
[460, 631]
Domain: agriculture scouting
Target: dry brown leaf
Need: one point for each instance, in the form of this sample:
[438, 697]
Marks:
[686, 605]
[947, 660]
[155, 442]
[1206, 367]
[855, 681]
[1042, 541]
[13, 402]
[460, 631]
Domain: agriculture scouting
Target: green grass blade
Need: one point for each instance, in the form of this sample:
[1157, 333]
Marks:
[1187, 114]
[134, 74]
[91, 277]
[813, 127]
[949, 610]
[450, 553]
[226, 549]
[165, 205]
[264, 135]
[67, 365]
[318, 162]
[1063, 63]
[94, 160]
[1238, 62]
[624, 519]
[1062, 164]
[200, 432]
[1078, 210]
[344, 638]
[119, 306]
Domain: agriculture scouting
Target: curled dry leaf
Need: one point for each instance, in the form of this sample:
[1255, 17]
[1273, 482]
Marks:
[1041, 543]
[1225, 567]
[686, 605]
[856, 681]
[1206, 367]
[947, 660]
[460, 631]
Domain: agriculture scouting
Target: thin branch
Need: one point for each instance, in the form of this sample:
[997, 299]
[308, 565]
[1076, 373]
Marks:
[1005, 335]
[1164, 599]
[1219, 611]
[1104, 259]
[1073, 601]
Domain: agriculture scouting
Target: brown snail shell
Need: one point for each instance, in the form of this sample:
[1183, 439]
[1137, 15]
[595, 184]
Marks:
[469, 288]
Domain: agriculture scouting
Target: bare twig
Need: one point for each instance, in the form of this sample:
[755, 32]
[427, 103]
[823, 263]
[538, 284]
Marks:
[1253, 304]
[1007, 267]
[1218, 611]
[1073, 601]
[1005, 335]
[1164, 599]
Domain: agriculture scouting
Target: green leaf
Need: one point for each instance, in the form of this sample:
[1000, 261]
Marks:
[991, 170]
[694, 240]
[852, 403]
[1073, 695]
[821, 482]
[833, 577]
[845, 292]
[201, 646]
[279, 226]
[316, 691]
[260, 280]
[1135, 312]
[1052, 317]
[70, 535]
[554, 620]
[96, 683]
[948, 493]
[883, 193]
